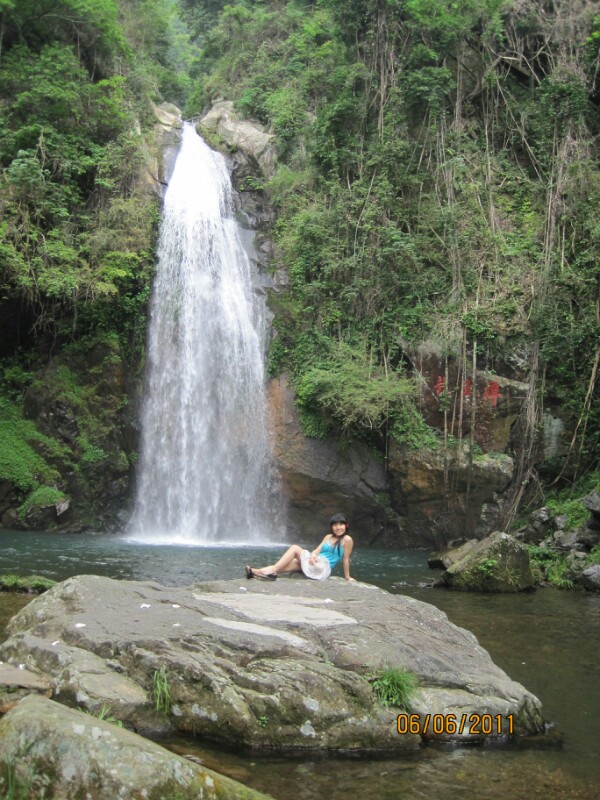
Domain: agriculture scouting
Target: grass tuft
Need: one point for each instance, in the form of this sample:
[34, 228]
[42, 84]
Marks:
[395, 686]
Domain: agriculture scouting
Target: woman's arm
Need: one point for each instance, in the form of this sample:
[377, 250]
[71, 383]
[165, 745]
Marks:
[347, 545]
[317, 550]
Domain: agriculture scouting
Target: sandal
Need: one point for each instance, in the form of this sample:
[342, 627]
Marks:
[252, 573]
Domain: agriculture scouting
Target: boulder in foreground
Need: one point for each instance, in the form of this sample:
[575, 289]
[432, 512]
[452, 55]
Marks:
[284, 665]
[49, 751]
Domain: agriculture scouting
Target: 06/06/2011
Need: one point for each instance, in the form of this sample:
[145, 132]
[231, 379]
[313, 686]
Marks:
[450, 724]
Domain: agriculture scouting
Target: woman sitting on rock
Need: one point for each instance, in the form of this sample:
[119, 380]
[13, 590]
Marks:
[335, 547]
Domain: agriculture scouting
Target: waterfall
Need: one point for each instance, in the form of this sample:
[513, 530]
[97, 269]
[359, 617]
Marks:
[205, 469]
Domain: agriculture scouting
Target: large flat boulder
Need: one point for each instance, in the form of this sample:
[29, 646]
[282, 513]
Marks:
[58, 753]
[282, 665]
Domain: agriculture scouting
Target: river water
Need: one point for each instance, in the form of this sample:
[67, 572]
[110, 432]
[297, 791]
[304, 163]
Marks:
[547, 640]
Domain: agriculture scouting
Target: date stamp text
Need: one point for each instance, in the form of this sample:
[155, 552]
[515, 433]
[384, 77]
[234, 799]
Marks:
[452, 724]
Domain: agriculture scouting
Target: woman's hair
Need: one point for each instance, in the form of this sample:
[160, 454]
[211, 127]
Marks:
[332, 521]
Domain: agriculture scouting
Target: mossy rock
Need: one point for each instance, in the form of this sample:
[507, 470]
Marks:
[499, 563]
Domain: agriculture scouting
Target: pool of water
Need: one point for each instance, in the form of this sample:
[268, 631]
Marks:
[547, 640]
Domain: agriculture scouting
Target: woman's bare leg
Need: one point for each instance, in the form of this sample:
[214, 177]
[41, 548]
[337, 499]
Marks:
[289, 562]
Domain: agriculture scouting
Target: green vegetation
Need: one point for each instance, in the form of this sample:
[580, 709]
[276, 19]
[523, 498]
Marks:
[32, 583]
[77, 229]
[105, 714]
[436, 193]
[22, 446]
[548, 566]
[594, 556]
[487, 569]
[395, 686]
[16, 781]
[568, 502]
[161, 691]
[15, 787]
[436, 197]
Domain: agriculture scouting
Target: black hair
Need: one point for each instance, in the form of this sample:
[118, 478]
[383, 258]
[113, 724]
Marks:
[338, 518]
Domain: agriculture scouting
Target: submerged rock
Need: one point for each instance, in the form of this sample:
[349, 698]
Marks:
[281, 665]
[499, 563]
[61, 754]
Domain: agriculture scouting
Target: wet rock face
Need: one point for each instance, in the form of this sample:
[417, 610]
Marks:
[69, 754]
[321, 476]
[497, 399]
[434, 514]
[410, 506]
[498, 563]
[159, 163]
[282, 665]
[81, 402]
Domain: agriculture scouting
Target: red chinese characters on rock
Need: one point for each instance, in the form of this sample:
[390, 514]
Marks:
[492, 392]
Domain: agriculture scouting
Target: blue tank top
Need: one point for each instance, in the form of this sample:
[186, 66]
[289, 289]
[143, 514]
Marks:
[332, 553]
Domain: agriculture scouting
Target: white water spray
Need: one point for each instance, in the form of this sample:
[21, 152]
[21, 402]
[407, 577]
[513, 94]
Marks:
[205, 472]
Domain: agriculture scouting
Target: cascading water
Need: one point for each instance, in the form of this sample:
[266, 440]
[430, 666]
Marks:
[205, 472]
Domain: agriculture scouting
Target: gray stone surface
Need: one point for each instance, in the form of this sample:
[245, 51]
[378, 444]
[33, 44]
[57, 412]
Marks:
[563, 541]
[446, 558]
[62, 754]
[284, 664]
[17, 682]
[499, 563]
[590, 578]
[539, 526]
[592, 501]
[240, 134]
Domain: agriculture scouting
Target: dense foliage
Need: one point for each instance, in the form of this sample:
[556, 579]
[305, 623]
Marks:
[77, 228]
[436, 192]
